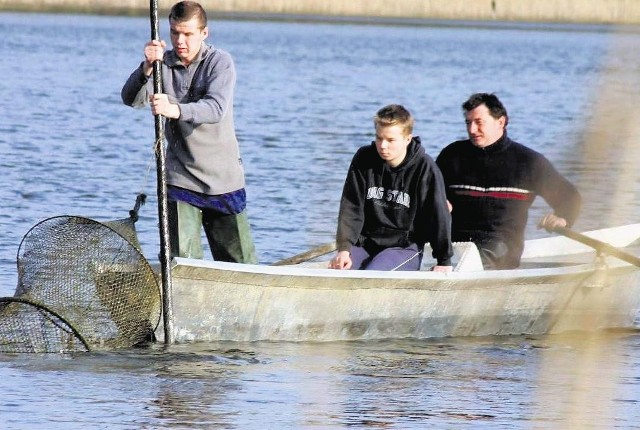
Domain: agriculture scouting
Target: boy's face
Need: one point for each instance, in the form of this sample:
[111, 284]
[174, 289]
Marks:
[391, 143]
[187, 37]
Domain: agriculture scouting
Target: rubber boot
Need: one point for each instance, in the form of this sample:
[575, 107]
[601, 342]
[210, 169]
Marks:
[185, 224]
[230, 237]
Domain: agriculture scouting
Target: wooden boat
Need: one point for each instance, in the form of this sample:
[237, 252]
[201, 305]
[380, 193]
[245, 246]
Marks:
[563, 285]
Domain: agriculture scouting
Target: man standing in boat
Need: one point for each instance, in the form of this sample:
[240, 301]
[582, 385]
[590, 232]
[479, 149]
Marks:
[205, 176]
[492, 181]
[393, 202]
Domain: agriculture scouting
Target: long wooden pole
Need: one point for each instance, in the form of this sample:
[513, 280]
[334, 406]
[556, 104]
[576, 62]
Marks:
[163, 205]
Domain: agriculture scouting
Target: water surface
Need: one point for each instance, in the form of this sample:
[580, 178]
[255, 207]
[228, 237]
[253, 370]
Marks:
[305, 98]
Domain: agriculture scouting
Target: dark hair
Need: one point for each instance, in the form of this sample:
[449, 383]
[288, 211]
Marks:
[186, 10]
[394, 115]
[491, 101]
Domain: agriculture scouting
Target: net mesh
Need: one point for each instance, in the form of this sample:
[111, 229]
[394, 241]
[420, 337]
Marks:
[26, 326]
[79, 277]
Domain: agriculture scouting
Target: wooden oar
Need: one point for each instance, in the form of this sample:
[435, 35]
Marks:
[308, 255]
[163, 205]
[598, 245]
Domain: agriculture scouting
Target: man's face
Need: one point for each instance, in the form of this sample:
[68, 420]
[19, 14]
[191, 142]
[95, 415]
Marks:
[483, 129]
[187, 37]
[391, 143]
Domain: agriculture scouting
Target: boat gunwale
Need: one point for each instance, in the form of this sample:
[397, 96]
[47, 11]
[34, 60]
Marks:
[514, 275]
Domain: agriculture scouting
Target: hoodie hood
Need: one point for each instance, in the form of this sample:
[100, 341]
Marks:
[394, 177]
[414, 152]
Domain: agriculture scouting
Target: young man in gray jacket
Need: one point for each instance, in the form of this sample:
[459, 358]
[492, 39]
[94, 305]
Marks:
[205, 176]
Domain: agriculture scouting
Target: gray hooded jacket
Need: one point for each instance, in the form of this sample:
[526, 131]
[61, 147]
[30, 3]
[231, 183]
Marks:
[202, 151]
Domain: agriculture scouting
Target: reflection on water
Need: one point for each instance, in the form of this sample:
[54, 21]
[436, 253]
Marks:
[305, 98]
[589, 373]
[496, 382]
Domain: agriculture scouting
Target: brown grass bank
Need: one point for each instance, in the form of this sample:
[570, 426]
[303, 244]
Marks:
[552, 11]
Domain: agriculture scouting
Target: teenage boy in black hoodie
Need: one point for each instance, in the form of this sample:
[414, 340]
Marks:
[393, 202]
[492, 181]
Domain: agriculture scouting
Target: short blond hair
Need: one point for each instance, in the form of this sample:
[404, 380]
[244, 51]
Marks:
[394, 115]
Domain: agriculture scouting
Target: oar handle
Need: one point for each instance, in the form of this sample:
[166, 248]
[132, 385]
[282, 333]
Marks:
[598, 245]
[308, 255]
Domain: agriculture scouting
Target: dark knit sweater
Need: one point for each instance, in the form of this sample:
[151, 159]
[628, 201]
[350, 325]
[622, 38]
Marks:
[492, 188]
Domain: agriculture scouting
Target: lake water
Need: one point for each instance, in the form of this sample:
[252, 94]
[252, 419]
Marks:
[305, 98]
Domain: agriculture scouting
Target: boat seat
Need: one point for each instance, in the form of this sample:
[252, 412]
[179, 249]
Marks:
[466, 258]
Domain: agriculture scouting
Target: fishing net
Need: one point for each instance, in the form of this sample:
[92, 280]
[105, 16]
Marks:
[26, 326]
[82, 285]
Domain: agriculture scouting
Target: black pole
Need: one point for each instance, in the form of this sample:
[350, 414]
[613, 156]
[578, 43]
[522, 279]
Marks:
[163, 206]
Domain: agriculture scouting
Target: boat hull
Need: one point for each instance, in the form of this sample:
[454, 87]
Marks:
[215, 301]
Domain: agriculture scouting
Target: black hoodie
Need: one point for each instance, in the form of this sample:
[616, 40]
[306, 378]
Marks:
[385, 206]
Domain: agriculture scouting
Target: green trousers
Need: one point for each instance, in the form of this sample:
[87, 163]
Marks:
[229, 236]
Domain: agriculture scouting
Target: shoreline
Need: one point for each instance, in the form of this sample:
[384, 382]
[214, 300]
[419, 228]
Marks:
[414, 12]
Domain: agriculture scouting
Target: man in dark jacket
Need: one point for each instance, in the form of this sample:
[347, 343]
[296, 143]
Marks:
[492, 181]
[393, 202]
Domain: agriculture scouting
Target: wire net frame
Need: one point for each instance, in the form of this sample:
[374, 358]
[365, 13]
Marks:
[79, 277]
